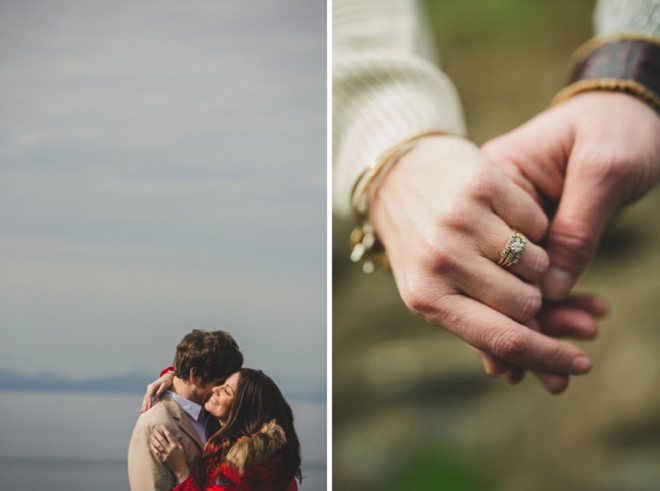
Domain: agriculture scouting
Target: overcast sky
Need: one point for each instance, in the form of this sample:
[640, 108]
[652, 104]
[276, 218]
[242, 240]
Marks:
[163, 168]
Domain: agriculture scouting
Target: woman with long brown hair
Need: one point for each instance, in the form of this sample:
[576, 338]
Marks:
[253, 447]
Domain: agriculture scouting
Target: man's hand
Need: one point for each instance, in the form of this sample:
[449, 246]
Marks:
[444, 213]
[589, 157]
[573, 317]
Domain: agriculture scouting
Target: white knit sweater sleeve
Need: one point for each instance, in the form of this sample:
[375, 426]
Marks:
[386, 86]
[624, 16]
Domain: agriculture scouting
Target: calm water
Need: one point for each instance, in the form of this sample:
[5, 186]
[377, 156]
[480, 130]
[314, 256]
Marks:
[78, 442]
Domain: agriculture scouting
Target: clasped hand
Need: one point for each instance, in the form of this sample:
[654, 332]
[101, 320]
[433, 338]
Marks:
[445, 211]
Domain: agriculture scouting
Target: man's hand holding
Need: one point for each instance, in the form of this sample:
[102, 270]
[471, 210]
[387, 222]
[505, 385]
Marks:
[588, 156]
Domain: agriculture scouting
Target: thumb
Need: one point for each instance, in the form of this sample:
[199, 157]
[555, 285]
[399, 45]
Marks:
[534, 155]
[587, 203]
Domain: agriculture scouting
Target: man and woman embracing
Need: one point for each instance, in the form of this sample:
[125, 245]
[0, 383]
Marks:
[214, 426]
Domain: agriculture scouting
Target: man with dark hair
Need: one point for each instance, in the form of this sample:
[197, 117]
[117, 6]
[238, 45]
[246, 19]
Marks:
[203, 360]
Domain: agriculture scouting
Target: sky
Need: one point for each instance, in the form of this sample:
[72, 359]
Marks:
[162, 169]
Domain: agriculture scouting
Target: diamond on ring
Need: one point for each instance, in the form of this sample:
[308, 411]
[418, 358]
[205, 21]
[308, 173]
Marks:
[513, 250]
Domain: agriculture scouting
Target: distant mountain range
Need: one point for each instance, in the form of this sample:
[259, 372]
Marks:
[136, 381]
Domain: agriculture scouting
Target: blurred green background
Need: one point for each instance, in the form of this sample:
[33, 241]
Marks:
[412, 406]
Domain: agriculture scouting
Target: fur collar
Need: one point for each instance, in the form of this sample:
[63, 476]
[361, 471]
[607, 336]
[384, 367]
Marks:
[251, 451]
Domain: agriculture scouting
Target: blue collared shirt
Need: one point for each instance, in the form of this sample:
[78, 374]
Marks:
[194, 411]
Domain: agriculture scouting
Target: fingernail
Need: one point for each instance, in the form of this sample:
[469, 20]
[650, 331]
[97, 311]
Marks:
[490, 369]
[556, 283]
[601, 308]
[553, 383]
[581, 364]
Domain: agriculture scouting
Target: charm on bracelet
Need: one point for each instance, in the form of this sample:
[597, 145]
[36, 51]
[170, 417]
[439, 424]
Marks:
[366, 247]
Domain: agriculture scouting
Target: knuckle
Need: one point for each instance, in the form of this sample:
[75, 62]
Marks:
[540, 265]
[422, 296]
[443, 260]
[607, 167]
[540, 225]
[555, 357]
[576, 239]
[509, 344]
[614, 168]
[453, 213]
[483, 185]
[479, 184]
[458, 218]
[420, 301]
[530, 304]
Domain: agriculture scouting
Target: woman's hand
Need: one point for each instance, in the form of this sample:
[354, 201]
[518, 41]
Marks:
[169, 451]
[444, 213]
[155, 390]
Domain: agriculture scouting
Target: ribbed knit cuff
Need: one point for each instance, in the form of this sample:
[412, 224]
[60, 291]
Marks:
[384, 101]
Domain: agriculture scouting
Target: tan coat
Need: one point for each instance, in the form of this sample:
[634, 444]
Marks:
[146, 472]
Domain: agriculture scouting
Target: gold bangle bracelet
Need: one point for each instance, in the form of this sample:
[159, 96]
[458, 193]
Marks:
[608, 84]
[365, 244]
[375, 168]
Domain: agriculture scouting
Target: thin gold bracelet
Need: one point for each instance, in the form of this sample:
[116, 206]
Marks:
[365, 244]
[608, 84]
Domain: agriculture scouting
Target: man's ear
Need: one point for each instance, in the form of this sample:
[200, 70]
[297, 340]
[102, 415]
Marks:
[194, 379]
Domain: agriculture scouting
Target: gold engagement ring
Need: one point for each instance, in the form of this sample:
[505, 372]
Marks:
[513, 250]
